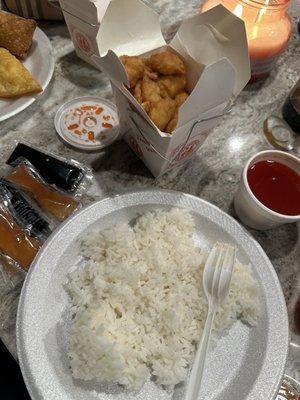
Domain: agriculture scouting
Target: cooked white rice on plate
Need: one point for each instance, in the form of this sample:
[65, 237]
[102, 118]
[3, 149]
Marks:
[138, 303]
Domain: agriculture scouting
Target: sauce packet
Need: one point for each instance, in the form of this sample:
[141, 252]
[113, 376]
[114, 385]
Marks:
[23, 212]
[22, 231]
[60, 205]
[15, 242]
[69, 176]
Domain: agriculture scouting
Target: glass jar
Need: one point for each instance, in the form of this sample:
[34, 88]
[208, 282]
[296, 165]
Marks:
[268, 29]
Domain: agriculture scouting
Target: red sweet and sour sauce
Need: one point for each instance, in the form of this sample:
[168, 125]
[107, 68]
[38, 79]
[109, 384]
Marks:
[276, 186]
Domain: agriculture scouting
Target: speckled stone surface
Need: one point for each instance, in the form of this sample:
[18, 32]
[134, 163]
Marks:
[212, 174]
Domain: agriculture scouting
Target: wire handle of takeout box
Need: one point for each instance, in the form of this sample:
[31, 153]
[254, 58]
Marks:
[55, 4]
[226, 110]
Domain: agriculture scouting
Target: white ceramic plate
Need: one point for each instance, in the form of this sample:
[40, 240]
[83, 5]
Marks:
[40, 62]
[246, 364]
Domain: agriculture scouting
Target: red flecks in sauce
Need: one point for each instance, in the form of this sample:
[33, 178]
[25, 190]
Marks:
[91, 135]
[99, 111]
[82, 121]
[88, 108]
[106, 125]
[73, 126]
[276, 186]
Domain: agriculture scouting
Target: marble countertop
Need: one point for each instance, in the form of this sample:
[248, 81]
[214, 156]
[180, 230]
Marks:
[212, 174]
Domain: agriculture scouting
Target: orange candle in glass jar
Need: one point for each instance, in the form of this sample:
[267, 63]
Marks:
[268, 30]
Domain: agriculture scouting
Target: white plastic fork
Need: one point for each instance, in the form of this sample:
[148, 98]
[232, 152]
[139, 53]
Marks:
[216, 280]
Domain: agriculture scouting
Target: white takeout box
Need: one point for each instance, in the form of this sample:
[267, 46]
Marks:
[214, 48]
[83, 18]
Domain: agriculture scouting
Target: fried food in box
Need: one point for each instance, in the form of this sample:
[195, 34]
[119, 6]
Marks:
[166, 63]
[15, 79]
[137, 92]
[172, 84]
[179, 100]
[16, 33]
[158, 84]
[135, 68]
[162, 111]
[150, 90]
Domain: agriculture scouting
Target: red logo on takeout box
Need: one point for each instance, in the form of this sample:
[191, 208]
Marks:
[82, 41]
[183, 152]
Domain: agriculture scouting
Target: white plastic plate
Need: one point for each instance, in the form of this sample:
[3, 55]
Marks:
[246, 364]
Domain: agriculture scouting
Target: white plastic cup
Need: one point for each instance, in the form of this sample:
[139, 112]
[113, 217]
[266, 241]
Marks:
[248, 208]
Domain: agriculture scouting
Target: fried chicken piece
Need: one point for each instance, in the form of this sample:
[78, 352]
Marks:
[16, 34]
[163, 92]
[137, 92]
[166, 63]
[151, 74]
[172, 84]
[161, 112]
[172, 124]
[135, 67]
[158, 84]
[150, 90]
[179, 99]
[146, 106]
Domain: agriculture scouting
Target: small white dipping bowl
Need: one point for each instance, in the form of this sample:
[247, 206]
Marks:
[248, 208]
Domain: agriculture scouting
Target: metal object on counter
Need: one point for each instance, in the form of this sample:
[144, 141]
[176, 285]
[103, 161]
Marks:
[289, 390]
[279, 134]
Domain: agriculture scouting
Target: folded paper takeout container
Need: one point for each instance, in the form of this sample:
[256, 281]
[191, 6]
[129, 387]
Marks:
[83, 18]
[214, 48]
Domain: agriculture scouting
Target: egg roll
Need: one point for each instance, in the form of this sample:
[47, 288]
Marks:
[16, 33]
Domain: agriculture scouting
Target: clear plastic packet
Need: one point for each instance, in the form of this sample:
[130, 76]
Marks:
[67, 175]
[58, 204]
[17, 247]
[24, 212]
[11, 274]
[38, 181]
[22, 231]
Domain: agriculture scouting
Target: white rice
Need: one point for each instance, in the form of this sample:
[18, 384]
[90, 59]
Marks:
[139, 304]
